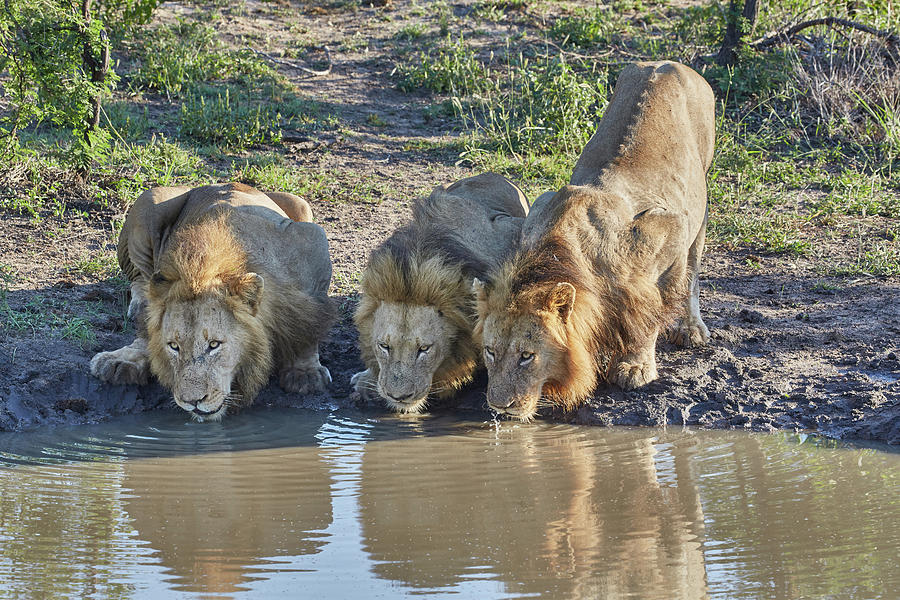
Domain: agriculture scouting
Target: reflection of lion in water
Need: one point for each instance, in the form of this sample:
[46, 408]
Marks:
[231, 282]
[610, 259]
[581, 515]
[415, 315]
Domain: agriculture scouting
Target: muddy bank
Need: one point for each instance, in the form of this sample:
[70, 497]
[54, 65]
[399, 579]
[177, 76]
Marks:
[788, 351]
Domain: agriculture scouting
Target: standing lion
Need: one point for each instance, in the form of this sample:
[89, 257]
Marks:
[611, 259]
[227, 282]
[415, 316]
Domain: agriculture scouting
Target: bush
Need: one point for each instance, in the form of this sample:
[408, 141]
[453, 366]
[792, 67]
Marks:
[55, 57]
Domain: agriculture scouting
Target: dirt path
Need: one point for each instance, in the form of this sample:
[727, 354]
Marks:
[789, 349]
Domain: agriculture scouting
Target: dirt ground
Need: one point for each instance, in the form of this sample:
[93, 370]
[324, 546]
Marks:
[790, 349]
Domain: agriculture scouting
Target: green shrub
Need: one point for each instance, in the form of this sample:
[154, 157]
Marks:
[42, 48]
[54, 58]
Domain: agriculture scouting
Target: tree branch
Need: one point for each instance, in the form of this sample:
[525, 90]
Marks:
[784, 37]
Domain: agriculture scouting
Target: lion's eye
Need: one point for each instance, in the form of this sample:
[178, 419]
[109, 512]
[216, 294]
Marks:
[488, 353]
[384, 346]
[424, 348]
[213, 344]
[526, 358]
[173, 346]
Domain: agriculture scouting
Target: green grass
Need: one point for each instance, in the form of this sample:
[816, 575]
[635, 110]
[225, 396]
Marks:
[313, 185]
[173, 59]
[589, 29]
[540, 106]
[232, 121]
[872, 256]
[411, 32]
[99, 266]
[497, 10]
[41, 315]
[453, 68]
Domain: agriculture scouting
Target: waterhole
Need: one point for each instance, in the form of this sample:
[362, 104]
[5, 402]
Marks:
[352, 505]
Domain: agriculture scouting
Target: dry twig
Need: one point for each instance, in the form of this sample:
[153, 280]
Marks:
[291, 65]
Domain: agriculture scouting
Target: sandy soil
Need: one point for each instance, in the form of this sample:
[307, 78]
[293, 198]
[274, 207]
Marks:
[789, 349]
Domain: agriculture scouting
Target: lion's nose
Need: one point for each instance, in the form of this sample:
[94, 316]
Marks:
[499, 405]
[401, 398]
[198, 401]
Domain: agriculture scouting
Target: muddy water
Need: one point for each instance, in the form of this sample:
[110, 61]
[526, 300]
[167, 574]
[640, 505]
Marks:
[348, 505]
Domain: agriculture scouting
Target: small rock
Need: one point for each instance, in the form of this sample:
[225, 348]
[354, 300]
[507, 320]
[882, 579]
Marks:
[78, 405]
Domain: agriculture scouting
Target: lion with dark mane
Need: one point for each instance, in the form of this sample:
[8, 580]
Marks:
[227, 283]
[415, 316]
[607, 262]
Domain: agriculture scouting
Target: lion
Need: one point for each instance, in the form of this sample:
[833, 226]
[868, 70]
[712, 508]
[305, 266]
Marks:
[415, 316]
[227, 283]
[611, 259]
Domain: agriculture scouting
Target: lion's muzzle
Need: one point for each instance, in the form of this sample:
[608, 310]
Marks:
[518, 406]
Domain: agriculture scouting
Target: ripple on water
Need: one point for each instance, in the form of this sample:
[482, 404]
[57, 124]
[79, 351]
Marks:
[273, 502]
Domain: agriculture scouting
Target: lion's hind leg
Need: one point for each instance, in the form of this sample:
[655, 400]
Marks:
[690, 330]
[127, 365]
[304, 374]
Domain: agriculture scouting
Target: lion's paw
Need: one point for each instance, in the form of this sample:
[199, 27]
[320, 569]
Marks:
[630, 375]
[688, 333]
[364, 384]
[305, 380]
[121, 367]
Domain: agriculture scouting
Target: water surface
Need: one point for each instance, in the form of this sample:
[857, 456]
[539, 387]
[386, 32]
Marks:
[350, 505]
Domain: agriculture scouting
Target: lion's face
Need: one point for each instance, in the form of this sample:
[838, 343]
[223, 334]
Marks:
[410, 343]
[203, 343]
[525, 348]
[521, 355]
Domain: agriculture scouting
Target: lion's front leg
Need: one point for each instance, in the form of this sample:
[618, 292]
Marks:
[365, 383]
[305, 374]
[636, 368]
[127, 365]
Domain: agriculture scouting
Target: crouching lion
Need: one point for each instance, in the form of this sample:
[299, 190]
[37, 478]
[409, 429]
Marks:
[415, 316]
[227, 282]
[609, 260]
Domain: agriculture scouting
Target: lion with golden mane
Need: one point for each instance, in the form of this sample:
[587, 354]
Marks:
[610, 260]
[415, 316]
[227, 283]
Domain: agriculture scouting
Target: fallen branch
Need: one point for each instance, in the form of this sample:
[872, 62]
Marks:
[785, 36]
[291, 65]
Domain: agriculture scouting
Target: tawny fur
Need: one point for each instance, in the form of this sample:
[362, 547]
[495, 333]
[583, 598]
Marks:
[627, 233]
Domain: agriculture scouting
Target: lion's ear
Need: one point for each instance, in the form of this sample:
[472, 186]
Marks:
[248, 288]
[561, 300]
